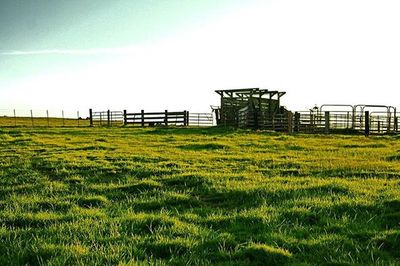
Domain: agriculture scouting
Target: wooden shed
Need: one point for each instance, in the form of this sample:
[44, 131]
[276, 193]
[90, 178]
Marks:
[251, 107]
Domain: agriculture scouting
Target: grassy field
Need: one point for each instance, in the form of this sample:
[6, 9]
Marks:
[123, 196]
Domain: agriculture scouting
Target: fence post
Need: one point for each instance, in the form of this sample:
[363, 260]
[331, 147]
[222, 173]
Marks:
[367, 123]
[187, 118]
[108, 118]
[125, 122]
[32, 117]
[396, 125]
[327, 122]
[91, 116]
[290, 122]
[63, 118]
[166, 118]
[296, 122]
[142, 112]
[198, 120]
[15, 118]
[47, 114]
[77, 113]
[312, 121]
[184, 119]
[273, 122]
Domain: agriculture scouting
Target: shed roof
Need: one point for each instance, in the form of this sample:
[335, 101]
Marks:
[250, 92]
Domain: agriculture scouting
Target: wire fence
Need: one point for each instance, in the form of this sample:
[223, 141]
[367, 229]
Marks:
[43, 118]
[68, 118]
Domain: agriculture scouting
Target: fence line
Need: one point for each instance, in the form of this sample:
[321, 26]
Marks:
[366, 122]
[304, 121]
[142, 118]
[42, 118]
[165, 118]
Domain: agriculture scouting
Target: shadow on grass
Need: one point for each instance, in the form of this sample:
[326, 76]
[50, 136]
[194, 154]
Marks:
[205, 146]
[347, 172]
[194, 131]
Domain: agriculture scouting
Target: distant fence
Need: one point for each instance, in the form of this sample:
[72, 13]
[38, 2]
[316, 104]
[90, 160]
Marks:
[144, 119]
[201, 119]
[321, 122]
[165, 118]
[106, 118]
[43, 118]
[313, 121]
[365, 122]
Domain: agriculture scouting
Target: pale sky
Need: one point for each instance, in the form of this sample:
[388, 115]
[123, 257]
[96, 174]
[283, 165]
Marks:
[173, 54]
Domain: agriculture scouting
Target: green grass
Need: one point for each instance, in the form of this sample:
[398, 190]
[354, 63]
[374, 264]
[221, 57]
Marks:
[127, 196]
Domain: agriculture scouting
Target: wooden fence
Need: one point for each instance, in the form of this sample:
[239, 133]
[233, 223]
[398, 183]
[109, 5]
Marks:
[165, 118]
[321, 122]
[144, 119]
[106, 118]
[340, 121]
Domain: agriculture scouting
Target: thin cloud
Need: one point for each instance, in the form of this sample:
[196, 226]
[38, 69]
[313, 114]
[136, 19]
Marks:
[100, 51]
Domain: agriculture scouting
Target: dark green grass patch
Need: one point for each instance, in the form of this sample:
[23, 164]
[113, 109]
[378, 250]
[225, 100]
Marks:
[206, 146]
[92, 201]
[395, 157]
[261, 254]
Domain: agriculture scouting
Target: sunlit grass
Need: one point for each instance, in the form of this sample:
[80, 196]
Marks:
[125, 196]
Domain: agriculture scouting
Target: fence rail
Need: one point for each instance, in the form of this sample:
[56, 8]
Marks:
[201, 119]
[156, 118]
[365, 122]
[142, 118]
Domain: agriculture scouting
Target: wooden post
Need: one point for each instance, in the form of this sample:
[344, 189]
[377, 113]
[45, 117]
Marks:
[327, 122]
[396, 125]
[125, 120]
[273, 122]
[142, 113]
[312, 121]
[63, 124]
[91, 116]
[108, 118]
[77, 113]
[187, 118]
[290, 122]
[296, 122]
[15, 118]
[166, 118]
[367, 123]
[184, 119]
[32, 117]
[47, 114]
[379, 126]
